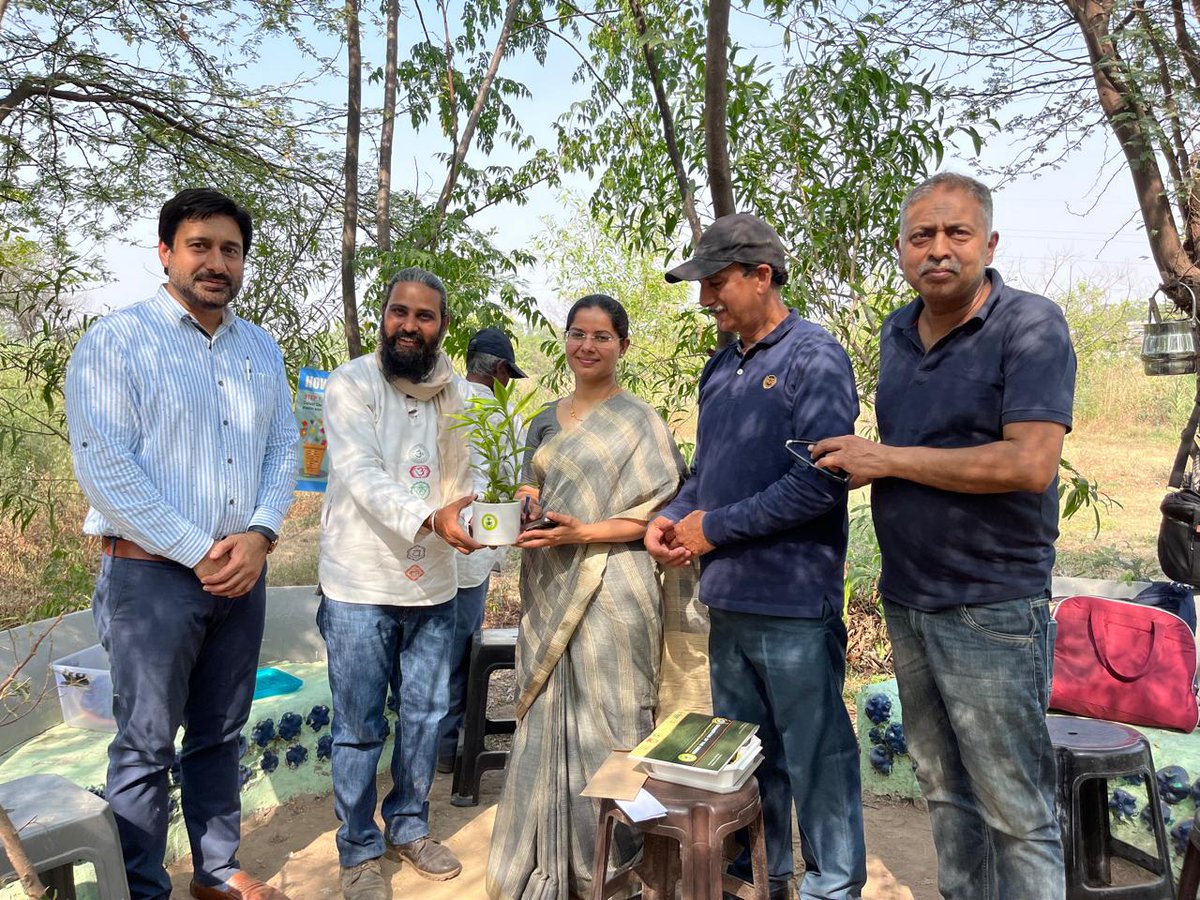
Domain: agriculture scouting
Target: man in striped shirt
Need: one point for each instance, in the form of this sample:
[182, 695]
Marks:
[184, 443]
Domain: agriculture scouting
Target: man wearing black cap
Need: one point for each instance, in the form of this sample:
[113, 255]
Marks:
[770, 532]
[490, 359]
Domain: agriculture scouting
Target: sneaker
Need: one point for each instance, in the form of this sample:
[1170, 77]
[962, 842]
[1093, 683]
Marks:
[428, 857]
[364, 882]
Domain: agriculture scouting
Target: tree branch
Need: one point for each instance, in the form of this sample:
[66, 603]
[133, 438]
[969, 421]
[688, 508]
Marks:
[1174, 151]
[1126, 117]
[383, 197]
[1187, 47]
[25, 89]
[20, 860]
[451, 97]
[668, 122]
[464, 142]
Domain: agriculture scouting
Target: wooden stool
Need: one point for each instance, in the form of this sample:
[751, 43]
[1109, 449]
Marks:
[491, 650]
[699, 822]
[1088, 753]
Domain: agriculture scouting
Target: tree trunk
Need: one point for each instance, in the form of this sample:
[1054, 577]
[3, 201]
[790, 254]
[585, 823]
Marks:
[383, 202]
[21, 863]
[1126, 116]
[716, 133]
[668, 122]
[464, 140]
[3, 8]
[716, 99]
[350, 213]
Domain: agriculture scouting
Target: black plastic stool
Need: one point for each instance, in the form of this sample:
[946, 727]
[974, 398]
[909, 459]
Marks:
[1088, 753]
[1189, 875]
[492, 649]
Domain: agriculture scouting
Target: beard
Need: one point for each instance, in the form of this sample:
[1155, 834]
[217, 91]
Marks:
[187, 288]
[412, 363]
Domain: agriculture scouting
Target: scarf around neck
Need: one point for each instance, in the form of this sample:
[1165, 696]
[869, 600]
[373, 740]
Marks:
[454, 461]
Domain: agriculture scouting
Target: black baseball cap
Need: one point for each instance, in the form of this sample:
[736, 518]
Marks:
[740, 238]
[496, 343]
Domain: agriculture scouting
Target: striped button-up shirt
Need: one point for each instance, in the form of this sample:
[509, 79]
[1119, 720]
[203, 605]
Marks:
[180, 439]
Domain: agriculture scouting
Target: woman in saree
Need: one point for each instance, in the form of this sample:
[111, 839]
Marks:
[590, 645]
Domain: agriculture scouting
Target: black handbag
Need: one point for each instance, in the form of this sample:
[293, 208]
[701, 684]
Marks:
[1178, 550]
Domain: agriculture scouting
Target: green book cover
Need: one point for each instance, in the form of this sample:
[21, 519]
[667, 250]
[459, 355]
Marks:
[695, 740]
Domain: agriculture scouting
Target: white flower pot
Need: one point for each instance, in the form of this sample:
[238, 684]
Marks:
[496, 524]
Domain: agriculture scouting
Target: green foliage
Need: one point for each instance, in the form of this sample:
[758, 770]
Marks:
[38, 330]
[101, 124]
[670, 337]
[824, 146]
[483, 283]
[1062, 72]
[1077, 492]
[864, 562]
[495, 431]
[1111, 383]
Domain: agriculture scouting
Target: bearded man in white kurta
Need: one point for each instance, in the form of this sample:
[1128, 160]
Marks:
[398, 479]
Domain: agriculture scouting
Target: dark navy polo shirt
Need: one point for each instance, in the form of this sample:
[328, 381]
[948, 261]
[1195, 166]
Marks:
[778, 526]
[1011, 362]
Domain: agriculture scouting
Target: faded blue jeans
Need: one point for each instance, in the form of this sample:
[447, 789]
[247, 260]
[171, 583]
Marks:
[365, 643]
[468, 620]
[786, 675]
[974, 684]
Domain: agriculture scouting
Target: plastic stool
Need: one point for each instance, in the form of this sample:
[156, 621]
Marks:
[698, 821]
[492, 649]
[60, 823]
[1189, 876]
[1089, 752]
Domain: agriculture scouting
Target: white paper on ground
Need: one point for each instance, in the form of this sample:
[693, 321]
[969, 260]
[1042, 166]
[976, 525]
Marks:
[642, 807]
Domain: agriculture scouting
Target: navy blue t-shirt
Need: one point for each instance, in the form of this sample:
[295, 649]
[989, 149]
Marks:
[778, 526]
[1011, 362]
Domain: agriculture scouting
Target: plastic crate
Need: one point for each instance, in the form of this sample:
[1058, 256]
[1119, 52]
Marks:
[85, 690]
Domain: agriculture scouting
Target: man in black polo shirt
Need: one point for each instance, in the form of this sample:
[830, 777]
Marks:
[975, 392]
[770, 533]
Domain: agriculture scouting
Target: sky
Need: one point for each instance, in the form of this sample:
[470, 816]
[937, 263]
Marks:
[1055, 230]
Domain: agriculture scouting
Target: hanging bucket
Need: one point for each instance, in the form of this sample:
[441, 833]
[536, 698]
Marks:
[1169, 347]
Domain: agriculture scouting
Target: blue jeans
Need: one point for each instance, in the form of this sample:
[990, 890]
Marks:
[974, 684]
[178, 656]
[786, 675]
[468, 620]
[365, 644]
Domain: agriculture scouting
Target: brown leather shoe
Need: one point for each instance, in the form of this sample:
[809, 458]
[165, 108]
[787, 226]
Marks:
[428, 857]
[239, 887]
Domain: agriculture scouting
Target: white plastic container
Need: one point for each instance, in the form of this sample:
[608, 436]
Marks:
[728, 780]
[85, 690]
[496, 524]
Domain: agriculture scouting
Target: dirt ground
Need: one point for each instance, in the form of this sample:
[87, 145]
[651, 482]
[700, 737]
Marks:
[293, 847]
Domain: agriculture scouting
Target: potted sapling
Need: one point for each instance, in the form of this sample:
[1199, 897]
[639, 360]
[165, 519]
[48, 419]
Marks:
[495, 427]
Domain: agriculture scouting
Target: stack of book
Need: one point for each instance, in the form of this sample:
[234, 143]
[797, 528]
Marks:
[706, 752]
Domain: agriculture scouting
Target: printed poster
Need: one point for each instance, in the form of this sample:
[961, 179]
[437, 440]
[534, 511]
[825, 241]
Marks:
[312, 468]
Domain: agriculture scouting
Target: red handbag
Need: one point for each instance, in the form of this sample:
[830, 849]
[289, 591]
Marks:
[1124, 662]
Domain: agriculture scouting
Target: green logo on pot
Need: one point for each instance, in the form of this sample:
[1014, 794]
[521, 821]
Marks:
[488, 522]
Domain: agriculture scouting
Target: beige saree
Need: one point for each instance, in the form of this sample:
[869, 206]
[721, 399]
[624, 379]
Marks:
[589, 650]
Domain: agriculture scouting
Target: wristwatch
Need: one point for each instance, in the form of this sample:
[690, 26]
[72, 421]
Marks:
[272, 537]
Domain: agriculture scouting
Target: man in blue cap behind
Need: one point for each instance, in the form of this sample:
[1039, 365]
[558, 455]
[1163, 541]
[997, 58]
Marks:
[490, 359]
